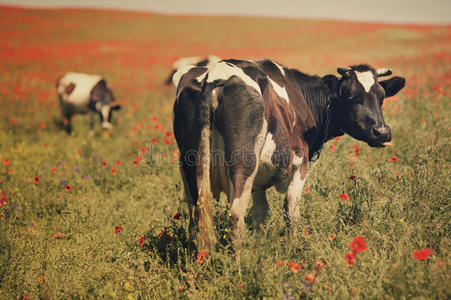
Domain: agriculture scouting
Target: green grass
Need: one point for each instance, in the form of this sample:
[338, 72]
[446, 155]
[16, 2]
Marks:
[397, 213]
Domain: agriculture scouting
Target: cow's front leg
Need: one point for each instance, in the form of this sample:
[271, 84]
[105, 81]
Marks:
[68, 123]
[91, 123]
[292, 198]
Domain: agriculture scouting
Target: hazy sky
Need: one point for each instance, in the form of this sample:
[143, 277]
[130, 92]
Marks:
[393, 11]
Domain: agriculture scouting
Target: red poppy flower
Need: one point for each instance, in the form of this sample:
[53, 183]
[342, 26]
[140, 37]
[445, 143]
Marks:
[118, 163]
[141, 240]
[154, 140]
[36, 179]
[394, 158]
[422, 254]
[6, 162]
[356, 150]
[117, 228]
[352, 177]
[350, 258]
[57, 235]
[319, 265]
[201, 256]
[104, 163]
[358, 244]
[280, 263]
[332, 237]
[67, 188]
[53, 170]
[143, 150]
[332, 148]
[113, 171]
[310, 277]
[294, 267]
[344, 197]
[177, 216]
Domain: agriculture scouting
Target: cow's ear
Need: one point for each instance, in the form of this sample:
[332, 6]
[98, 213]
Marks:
[116, 107]
[331, 83]
[393, 85]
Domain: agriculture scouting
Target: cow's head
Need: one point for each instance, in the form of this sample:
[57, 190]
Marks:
[103, 102]
[358, 104]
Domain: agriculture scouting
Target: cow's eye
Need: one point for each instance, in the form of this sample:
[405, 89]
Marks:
[356, 100]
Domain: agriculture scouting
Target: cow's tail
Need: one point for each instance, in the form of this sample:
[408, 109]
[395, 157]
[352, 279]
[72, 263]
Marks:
[206, 233]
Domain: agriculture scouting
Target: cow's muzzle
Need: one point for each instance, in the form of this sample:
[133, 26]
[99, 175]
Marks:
[380, 135]
[107, 125]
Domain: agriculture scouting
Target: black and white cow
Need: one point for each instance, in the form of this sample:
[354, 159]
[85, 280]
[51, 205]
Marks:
[244, 126]
[81, 93]
[198, 61]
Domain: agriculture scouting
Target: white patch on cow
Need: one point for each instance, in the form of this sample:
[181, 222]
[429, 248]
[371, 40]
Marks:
[223, 71]
[212, 60]
[366, 79]
[201, 77]
[279, 90]
[297, 161]
[268, 149]
[280, 68]
[183, 62]
[81, 94]
[180, 72]
[293, 195]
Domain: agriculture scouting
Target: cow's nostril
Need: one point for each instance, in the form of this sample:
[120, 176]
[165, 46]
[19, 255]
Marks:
[381, 131]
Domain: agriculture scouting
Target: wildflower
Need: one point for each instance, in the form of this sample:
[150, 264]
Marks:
[332, 148]
[344, 197]
[141, 240]
[135, 162]
[143, 150]
[104, 163]
[36, 179]
[356, 150]
[154, 140]
[67, 188]
[306, 232]
[394, 158]
[422, 254]
[337, 138]
[350, 258]
[319, 265]
[310, 277]
[331, 236]
[180, 287]
[57, 235]
[358, 244]
[113, 171]
[294, 267]
[352, 177]
[307, 190]
[117, 228]
[177, 216]
[6, 162]
[201, 256]
[118, 163]
[280, 263]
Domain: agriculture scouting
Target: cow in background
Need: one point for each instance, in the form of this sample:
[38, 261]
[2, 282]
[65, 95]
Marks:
[197, 61]
[81, 93]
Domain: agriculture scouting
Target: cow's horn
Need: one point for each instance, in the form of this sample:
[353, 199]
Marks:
[383, 72]
[343, 71]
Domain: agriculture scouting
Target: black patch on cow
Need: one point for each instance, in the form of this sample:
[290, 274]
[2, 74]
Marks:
[69, 89]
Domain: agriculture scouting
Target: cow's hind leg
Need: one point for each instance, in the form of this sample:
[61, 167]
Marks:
[240, 120]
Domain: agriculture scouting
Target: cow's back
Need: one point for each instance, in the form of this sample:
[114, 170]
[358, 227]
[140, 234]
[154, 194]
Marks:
[75, 88]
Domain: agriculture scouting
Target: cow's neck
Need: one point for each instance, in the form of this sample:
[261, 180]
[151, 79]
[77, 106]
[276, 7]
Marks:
[322, 108]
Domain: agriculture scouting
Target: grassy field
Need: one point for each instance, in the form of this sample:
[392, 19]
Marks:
[93, 217]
